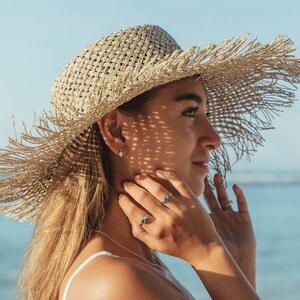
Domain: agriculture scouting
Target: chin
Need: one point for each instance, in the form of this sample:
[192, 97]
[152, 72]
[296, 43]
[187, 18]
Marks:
[199, 189]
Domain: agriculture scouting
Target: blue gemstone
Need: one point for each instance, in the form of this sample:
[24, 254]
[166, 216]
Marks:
[144, 219]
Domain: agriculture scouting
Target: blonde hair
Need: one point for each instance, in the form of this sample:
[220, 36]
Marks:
[72, 211]
[68, 218]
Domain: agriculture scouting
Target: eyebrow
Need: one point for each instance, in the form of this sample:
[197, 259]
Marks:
[190, 96]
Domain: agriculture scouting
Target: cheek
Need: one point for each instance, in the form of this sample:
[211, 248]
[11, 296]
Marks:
[186, 132]
[163, 138]
[166, 141]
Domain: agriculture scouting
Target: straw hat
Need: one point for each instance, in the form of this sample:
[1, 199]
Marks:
[247, 83]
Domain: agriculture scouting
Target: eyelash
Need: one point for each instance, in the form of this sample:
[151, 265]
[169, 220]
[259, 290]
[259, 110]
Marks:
[193, 109]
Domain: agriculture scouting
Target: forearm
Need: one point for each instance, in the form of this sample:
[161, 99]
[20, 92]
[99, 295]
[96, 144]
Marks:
[221, 276]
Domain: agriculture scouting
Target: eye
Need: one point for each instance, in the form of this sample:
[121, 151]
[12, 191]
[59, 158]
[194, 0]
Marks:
[191, 112]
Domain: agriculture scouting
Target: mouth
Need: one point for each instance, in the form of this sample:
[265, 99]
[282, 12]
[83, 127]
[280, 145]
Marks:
[202, 165]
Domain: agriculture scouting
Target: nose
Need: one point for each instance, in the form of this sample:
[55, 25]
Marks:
[210, 139]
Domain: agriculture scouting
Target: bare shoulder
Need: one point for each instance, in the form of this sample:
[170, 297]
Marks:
[115, 278]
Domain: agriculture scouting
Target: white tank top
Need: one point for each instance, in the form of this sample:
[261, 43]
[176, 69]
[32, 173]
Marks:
[81, 267]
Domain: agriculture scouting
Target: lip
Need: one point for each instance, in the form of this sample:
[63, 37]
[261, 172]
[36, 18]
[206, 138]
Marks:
[202, 165]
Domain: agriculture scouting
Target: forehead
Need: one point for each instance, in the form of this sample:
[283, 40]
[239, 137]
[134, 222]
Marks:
[182, 89]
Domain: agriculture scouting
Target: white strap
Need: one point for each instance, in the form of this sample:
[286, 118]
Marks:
[81, 267]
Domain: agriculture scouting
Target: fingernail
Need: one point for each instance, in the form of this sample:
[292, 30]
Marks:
[124, 183]
[220, 178]
[120, 196]
[137, 177]
[160, 172]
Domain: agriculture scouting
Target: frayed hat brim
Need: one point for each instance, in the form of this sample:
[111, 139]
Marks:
[248, 83]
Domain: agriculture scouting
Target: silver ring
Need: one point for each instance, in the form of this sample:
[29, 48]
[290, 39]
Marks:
[144, 219]
[166, 199]
[227, 204]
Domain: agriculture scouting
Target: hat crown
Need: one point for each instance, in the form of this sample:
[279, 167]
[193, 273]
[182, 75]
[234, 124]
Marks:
[98, 67]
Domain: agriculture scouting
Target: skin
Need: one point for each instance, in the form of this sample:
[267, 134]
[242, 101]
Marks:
[168, 136]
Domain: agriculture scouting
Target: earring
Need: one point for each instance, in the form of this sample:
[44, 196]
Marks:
[120, 152]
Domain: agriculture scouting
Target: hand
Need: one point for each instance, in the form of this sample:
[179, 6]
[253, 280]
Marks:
[234, 227]
[179, 227]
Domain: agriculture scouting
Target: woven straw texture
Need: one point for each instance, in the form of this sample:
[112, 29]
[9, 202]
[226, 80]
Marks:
[247, 83]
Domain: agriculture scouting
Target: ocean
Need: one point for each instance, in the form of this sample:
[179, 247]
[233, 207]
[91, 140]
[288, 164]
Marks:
[274, 203]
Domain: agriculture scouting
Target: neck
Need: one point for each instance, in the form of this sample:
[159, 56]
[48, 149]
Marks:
[116, 224]
[118, 228]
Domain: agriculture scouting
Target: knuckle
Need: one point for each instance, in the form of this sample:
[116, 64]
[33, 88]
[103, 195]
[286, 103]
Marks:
[136, 232]
[223, 198]
[181, 215]
[173, 225]
[182, 212]
[158, 191]
[172, 220]
[143, 194]
[160, 233]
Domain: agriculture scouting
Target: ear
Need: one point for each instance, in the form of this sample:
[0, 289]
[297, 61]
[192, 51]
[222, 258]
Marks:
[111, 131]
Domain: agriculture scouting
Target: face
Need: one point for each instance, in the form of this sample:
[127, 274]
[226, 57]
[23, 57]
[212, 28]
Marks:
[175, 134]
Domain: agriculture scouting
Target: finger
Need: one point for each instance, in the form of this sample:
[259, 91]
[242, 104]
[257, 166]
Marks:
[134, 213]
[210, 198]
[161, 194]
[241, 199]
[179, 184]
[140, 233]
[143, 197]
[221, 192]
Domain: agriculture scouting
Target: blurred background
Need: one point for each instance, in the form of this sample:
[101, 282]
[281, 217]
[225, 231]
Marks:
[39, 38]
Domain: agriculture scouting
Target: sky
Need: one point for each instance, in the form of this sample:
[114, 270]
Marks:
[39, 38]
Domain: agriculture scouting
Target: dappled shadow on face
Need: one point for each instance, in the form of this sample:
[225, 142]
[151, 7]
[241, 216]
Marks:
[154, 143]
[170, 134]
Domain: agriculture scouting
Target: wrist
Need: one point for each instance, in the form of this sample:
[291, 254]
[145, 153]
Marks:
[248, 267]
[218, 268]
[204, 255]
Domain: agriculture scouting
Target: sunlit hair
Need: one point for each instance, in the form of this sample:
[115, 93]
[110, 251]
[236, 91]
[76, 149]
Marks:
[71, 212]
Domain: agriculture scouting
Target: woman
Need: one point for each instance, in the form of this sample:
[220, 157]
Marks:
[127, 105]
